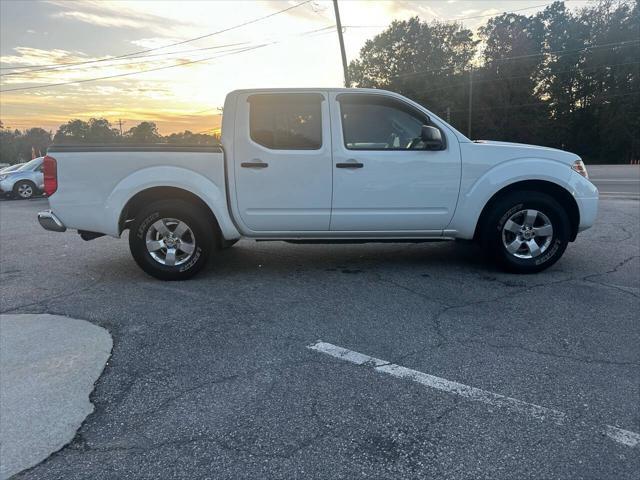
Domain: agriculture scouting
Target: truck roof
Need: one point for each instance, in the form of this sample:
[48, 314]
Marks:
[324, 89]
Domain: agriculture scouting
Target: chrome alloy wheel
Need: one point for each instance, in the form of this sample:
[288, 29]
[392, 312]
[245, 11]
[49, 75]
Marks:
[527, 234]
[170, 242]
[25, 190]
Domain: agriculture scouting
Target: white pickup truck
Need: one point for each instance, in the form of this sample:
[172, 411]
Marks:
[321, 166]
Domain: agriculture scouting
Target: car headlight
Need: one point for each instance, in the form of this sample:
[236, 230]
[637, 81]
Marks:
[2, 177]
[578, 166]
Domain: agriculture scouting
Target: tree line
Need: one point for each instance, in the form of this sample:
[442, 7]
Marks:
[560, 78]
[22, 145]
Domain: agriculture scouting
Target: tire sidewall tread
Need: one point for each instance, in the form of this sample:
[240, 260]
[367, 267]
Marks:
[508, 205]
[193, 216]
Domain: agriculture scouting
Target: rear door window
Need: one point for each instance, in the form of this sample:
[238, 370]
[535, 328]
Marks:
[286, 121]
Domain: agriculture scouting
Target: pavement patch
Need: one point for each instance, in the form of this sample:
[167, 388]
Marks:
[48, 366]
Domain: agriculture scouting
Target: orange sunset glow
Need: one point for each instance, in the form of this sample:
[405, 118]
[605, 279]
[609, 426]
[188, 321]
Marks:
[179, 59]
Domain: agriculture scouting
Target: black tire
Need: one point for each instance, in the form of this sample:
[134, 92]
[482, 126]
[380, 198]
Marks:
[201, 233]
[496, 237]
[24, 189]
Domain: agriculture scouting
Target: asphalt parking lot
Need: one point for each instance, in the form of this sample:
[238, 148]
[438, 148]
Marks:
[214, 377]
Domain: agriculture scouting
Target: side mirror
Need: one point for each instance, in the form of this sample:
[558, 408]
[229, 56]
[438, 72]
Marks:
[431, 137]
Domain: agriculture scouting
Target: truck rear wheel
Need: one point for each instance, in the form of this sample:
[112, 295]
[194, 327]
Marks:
[526, 232]
[171, 239]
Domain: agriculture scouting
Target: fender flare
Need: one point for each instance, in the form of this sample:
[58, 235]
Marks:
[168, 176]
[475, 197]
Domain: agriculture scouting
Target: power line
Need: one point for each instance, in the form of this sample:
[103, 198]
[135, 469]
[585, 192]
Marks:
[497, 79]
[580, 69]
[605, 97]
[207, 110]
[460, 18]
[27, 74]
[560, 52]
[568, 52]
[180, 52]
[68, 67]
[218, 32]
[207, 130]
[45, 67]
[497, 14]
[131, 73]
[234, 52]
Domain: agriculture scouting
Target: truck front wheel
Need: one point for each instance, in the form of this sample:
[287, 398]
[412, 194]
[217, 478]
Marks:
[171, 239]
[526, 231]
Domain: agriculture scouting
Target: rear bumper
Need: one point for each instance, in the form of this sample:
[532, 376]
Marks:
[49, 221]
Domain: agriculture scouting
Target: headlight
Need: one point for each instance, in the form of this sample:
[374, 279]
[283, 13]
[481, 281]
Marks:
[578, 166]
[2, 177]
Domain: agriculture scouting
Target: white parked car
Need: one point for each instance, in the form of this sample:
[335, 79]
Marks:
[23, 182]
[322, 165]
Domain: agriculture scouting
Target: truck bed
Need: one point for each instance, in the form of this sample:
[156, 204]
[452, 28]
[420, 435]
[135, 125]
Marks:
[96, 181]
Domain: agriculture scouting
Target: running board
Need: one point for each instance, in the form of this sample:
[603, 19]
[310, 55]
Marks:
[319, 241]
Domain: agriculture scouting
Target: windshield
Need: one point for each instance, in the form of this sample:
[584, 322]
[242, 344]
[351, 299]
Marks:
[30, 165]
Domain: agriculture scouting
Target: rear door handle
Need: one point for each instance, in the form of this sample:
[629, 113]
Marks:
[349, 165]
[254, 165]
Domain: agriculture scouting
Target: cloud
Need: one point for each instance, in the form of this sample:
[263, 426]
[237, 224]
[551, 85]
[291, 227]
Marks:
[117, 14]
[314, 11]
[28, 56]
[49, 66]
[101, 20]
[491, 11]
[401, 9]
[154, 42]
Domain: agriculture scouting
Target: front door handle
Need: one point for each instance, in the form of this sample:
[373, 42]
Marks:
[254, 165]
[349, 165]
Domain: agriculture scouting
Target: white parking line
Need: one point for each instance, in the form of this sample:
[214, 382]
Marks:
[624, 437]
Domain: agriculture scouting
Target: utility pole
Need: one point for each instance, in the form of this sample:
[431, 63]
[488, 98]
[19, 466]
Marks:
[470, 100]
[120, 125]
[345, 67]
[448, 114]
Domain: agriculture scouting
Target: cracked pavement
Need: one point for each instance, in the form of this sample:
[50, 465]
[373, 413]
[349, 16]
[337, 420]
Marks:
[211, 378]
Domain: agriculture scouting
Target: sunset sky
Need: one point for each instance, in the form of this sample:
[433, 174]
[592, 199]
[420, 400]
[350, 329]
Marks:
[297, 48]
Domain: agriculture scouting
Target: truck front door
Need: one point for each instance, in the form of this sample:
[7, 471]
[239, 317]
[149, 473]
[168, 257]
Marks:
[383, 177]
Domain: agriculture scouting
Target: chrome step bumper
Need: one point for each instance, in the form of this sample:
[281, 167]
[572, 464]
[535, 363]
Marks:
[49, 221]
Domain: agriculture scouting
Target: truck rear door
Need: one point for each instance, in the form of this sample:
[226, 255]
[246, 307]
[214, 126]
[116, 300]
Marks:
[282, 161]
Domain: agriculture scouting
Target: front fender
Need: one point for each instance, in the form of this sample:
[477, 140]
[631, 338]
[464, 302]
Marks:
[168, 176]
[9, 182]
[477, 191]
